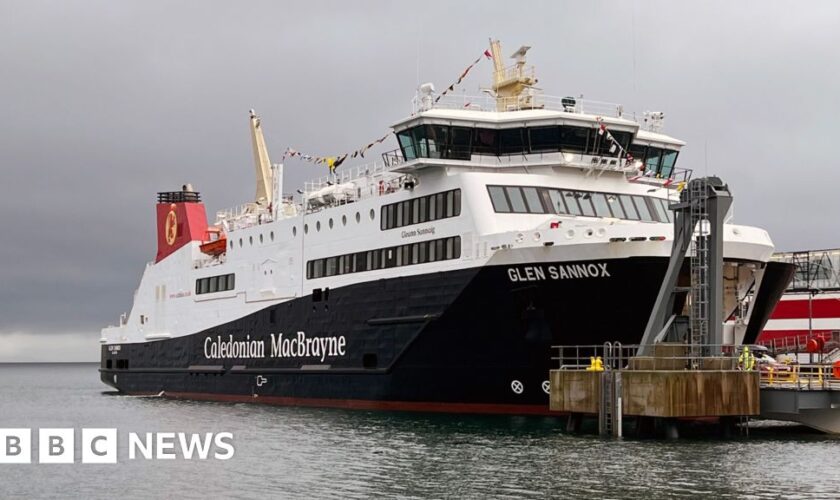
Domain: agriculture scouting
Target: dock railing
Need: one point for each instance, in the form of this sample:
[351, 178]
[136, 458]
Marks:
[789, 372]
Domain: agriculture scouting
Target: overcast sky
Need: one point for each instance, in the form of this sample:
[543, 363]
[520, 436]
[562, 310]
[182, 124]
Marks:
[102, 104]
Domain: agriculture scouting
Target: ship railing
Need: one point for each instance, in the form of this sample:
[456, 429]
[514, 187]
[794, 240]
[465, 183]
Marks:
[815, 342]
[536, 100]
[243, 216]
[674, 178]
[677, 178]
[785, 371]
[354, 184]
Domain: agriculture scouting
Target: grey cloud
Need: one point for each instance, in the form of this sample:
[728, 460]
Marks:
[105, 103]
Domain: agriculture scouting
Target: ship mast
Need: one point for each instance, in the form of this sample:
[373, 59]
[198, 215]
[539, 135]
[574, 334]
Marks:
[265, 186]
[513, 86]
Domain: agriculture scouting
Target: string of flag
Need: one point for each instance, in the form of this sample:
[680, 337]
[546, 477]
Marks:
[334, 162]
[464, 74]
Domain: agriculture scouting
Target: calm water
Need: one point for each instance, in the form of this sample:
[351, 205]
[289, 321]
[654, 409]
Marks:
[297, 453]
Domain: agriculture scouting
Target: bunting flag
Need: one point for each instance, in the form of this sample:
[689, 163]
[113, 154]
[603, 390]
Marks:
[614, 144]
[333, 162]
[464, 74]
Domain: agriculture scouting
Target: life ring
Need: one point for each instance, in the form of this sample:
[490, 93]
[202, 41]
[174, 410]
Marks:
[836, 370]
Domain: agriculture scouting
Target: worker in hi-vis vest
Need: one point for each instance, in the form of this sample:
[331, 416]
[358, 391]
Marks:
[746, 361]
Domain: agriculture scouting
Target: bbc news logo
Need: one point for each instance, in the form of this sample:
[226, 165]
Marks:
[99, 446]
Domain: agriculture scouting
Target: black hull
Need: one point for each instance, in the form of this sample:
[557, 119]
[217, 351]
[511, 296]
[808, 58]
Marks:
[454, 341]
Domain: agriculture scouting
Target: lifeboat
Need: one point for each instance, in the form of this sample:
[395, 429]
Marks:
[215, 243]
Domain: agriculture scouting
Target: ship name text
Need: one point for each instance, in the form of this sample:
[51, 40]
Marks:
[559, 272]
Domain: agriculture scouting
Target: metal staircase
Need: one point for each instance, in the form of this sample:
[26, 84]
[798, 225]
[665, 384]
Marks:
[698, 200]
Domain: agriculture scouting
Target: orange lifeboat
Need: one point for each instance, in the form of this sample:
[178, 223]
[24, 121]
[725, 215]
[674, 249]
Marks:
[216, 243]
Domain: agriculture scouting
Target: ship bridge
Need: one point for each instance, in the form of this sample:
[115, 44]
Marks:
[558, 131]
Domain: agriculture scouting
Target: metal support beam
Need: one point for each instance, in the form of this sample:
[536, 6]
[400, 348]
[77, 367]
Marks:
[701, 210]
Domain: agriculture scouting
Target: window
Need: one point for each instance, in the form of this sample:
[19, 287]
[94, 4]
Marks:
[406, 145]
[533, 200]
[669, 158]
[517, 201]
[606, 147]
[662, 211]
[629, 209]
[510, 141]
[421, 147]
[544, 138]
[461, 139]
[213, 284]
[572, 203]
[642, 207]
[497, 196]
[486, 142]
[419, 210]
[574, 138]
[538, 200]
[585, 200]
[652, 159]
[438, 139]
[615, 206]
[602, 209]
[382, 258]
[556, 201]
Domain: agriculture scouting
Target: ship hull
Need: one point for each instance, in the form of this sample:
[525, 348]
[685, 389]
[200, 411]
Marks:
[468, 341]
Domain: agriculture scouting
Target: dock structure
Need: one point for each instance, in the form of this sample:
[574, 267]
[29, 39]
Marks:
[612, 383]
[690, 373]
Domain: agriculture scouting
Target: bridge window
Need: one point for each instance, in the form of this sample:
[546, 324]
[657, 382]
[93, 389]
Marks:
[510, 141]
[486, 142]
[544, 138]
[669, 159]
[574, 139]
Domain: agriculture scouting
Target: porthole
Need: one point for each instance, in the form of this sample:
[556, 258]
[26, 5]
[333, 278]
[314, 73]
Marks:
[240, 242]
[372, 214]
[250, 240]
[358, 218]
[318, 226]
[306, 229]
[271, 235]
[261, 238]
[331, 223]
[294, 231]
[343, 220]
[231, 244]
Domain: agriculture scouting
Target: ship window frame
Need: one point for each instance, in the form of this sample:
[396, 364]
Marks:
[640, 201]
[615, 206]
[543, 145]
[485, 141]
[535, 205]
[604, 204]
[627, 205]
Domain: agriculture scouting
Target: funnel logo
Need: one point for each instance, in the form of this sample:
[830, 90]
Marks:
[171, 227]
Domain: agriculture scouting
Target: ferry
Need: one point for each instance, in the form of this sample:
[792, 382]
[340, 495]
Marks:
[435, 279]
[807, 318]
